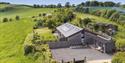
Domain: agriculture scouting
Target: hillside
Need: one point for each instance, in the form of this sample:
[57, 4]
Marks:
[21, 10]
[13, 34]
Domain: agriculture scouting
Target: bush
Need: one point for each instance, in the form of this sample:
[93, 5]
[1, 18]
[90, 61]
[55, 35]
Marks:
[10, 19]
[109, 13]
[17, 17]
[44, 14]
[5, 19]
[120, 44]
[28, 49]
[40, 15]
[115, 16]
[119, 58]
[86, 21]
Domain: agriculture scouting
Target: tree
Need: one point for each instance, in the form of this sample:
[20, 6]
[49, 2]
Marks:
[94, 3]
[67, 5]
[5, 19]
[109, 13]
[82, 4]
[115, 16]
[73, 5]
[117, 4]
[109, 4]
[86, 10]
[85, 21]
[17, 17]
[103, 13]
[87, 3]
[101, 4]
[59, 5]
[35, 6]
[28, 49]
[51, 24]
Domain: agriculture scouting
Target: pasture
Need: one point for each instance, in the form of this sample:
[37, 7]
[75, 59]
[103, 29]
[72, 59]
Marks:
[13, 34]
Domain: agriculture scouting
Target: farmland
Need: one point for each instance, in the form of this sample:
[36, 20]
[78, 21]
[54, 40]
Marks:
[13, 34]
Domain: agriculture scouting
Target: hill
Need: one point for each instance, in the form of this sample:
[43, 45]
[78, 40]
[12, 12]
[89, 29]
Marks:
[13, 34]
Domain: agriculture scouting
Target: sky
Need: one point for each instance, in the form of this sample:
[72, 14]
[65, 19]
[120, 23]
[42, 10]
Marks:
[31, 2]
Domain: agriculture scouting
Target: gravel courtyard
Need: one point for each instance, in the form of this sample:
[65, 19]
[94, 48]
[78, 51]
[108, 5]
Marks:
[67, 54]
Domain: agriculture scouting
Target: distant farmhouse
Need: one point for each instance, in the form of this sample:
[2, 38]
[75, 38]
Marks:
[70, 35]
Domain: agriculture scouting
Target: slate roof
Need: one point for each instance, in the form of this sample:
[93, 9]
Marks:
[68, 29]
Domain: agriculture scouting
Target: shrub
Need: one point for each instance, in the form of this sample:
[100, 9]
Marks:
[86, 21]
[10, 19]
[115, 16]
[28, 49]
[44, 14]
[120, 44]
[5, 19]
[17, 17]
[40, 15]
[119, 58]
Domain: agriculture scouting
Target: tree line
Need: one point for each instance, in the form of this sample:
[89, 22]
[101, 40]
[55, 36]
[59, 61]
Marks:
[83, 4]
[59, 5]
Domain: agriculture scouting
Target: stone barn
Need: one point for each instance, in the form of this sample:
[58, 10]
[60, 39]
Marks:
[102, 43]
[69, 33]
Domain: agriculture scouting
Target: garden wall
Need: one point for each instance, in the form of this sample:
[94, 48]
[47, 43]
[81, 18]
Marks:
[62, 44]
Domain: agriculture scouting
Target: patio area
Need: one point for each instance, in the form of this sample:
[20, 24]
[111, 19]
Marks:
[67, 54]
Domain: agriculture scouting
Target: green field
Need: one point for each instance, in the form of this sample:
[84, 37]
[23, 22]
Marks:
[22, 11]
[13, 34]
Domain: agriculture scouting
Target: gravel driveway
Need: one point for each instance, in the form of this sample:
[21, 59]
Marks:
[67, 54]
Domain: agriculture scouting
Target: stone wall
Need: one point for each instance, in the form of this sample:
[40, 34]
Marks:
[75, 39]
[72, 40]
[55, 45]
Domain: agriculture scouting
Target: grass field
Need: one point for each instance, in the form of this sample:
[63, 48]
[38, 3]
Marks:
[12, 34]
[22, 11]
